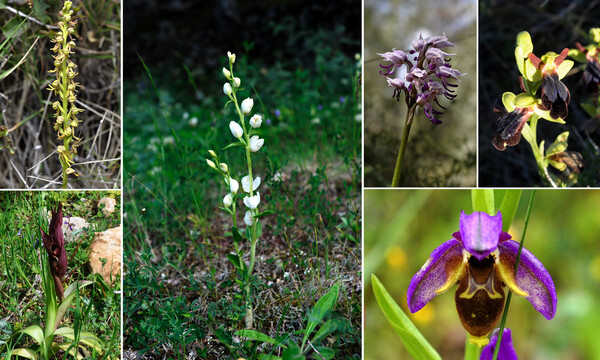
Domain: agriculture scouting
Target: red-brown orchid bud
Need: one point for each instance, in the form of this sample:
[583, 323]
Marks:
[55, 246]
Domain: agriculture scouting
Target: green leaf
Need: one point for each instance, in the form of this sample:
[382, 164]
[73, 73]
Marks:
[24, 352]
[258, 336]
[36, 332]
[414, 342]
[327, 328]
[85, 338]
[292, 352]
[234, 144]
[258, 231]
[268, 357]
[323, 305]
[590, 109]
[235, 260]
[483, 200]
[264, 213]
[508, 208]
[69, 296]
[236, 234]
[324, 352]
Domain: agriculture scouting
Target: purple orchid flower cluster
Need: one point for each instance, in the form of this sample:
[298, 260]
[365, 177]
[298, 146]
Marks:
[54, 243]
[481, 259]
[427, 77]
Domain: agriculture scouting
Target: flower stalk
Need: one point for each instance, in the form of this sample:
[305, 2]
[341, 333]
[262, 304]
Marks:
[245, 136]
[65, 88]
[427, 77]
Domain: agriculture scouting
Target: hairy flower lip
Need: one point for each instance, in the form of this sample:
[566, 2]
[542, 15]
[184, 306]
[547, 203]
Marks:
[480, 257]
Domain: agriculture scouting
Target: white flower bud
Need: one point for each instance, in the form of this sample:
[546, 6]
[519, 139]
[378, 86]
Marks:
[228, 200]
[227, 90]
[236, 129]
[231, 57]
[247, 105]
[211, 164]
[246, 183]
[227, 74]
[256, 121]
[233, 186]
[252, 202]
[236, 82]
[256, 143]
[223, 167]
[248, 218]
[212, 153]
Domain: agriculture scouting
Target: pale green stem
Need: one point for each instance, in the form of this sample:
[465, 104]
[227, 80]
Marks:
[410, 114]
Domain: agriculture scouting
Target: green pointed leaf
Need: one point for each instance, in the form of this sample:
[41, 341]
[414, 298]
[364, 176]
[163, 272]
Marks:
[234, 144]
[258, 336]
[324, 352]
[24, 352]
[264, 213]
[36, 332]
[258, 231]
[483, 200]
[327, 328]
[292, 352]
[321, 308]
[414, 342]
[69, 296]
[268, 357]
[236, 234]
[235, 260]
[508, 208]
[85, 338]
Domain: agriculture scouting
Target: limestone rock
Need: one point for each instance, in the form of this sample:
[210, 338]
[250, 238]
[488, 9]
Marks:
[107, 245]
[109, 205]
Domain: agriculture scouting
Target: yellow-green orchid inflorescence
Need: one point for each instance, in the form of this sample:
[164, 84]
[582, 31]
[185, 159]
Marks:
[65, 88]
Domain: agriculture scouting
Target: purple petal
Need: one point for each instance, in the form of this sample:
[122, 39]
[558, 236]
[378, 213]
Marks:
[531, 277]
[480, 233]
[506, 351]
[441, 271]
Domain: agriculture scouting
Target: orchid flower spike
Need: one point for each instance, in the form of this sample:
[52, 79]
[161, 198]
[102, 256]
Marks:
[54, 243]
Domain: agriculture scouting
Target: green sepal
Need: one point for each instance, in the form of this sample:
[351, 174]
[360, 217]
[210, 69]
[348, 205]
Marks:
[595, 35]
[560, 166]
[564, 68]
[524, 100]
[559, 145]
[545, 114]
[508, 99]
[577, 55]
[524, 42]
[532, 73]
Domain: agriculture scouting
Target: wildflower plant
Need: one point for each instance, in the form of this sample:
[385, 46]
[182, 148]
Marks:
[428, 75]
[246, 135]
[544, 96]
[65, 88]
[483, 259]
[53, 338]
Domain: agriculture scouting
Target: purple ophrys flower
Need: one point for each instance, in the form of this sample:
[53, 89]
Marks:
[506, 351]
[481, 258]
[54, 243]
[428, 72]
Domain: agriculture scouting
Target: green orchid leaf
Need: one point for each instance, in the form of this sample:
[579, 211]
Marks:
[24, 352]
[322, 307]
[268, 357]
[69, 296]
[292, 352]
[235, 261]
[236, 234]
[36, 332]
[85, 338]
[414, 342]
[326, 329]
[483, 200]
[508, 208]
[234, 144]
[324, 353]
[564, 68]
[508, 99]
[258, 336]
[70, 349]
[258, 231]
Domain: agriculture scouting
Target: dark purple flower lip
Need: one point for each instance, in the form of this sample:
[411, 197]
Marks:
[481, 258]
[509, 127]
[555, 96]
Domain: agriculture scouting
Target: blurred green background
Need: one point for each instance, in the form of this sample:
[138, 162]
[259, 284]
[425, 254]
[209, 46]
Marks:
[437, 155]
[402, 227]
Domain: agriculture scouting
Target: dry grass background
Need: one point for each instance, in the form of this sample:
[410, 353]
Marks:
[26, 104]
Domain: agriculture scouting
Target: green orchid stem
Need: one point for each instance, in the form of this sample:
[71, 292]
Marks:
[508, 297]
[472, 352]
[410, 114]
[541, 161]
[249, 313]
